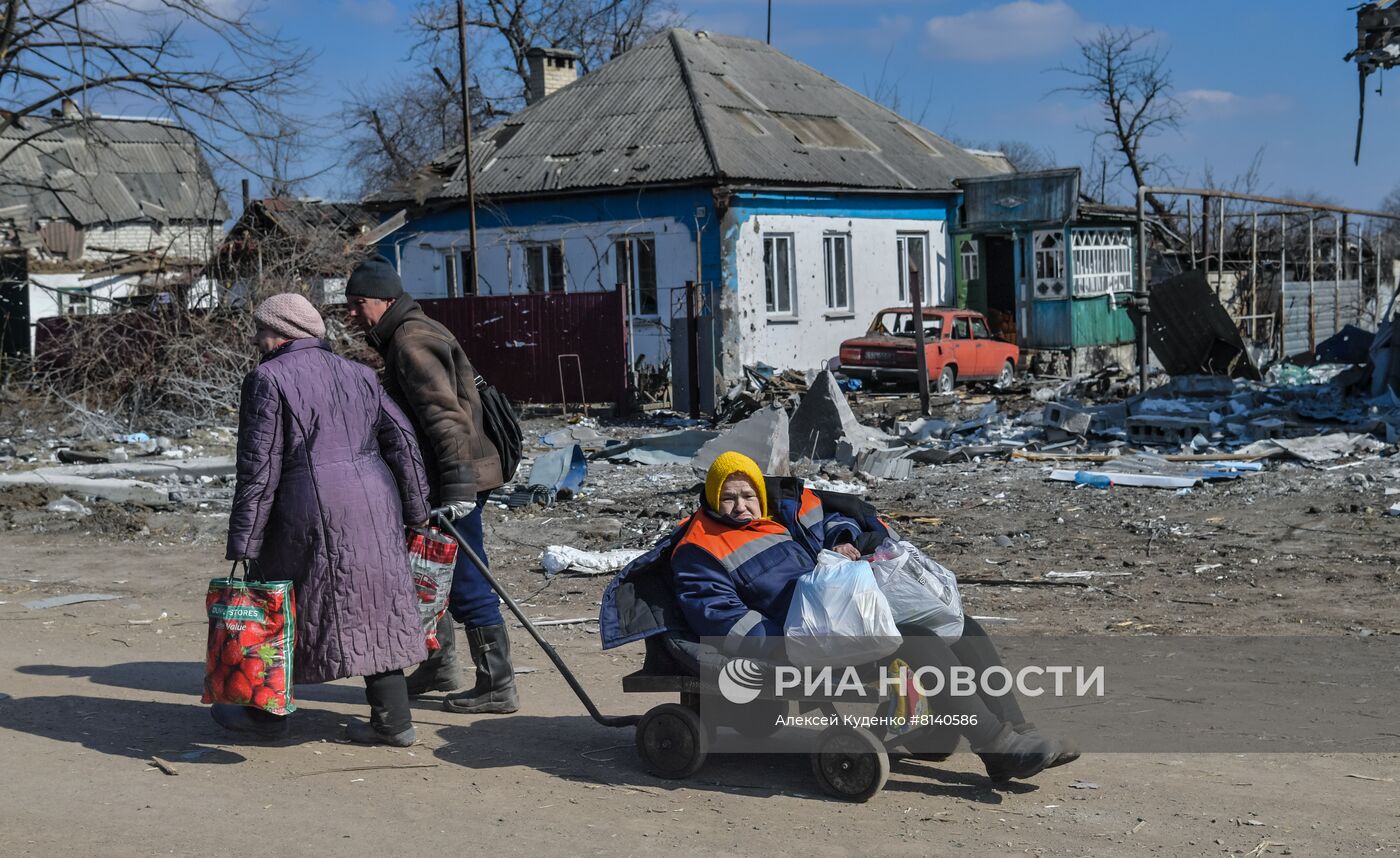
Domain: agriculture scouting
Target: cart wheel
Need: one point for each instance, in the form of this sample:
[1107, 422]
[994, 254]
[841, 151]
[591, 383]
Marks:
[850, 763]
[672, 741]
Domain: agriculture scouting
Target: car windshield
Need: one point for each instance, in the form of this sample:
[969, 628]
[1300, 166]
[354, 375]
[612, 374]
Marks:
[901, 324]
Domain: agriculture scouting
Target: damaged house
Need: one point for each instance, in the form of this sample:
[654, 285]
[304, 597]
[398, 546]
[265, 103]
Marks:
[287, 243]
[1052, 271]
[100, 212]
[799, 205]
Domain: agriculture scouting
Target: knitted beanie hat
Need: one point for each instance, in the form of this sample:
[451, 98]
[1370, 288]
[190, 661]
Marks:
[374, 278]
[291, 316]
[727, 465]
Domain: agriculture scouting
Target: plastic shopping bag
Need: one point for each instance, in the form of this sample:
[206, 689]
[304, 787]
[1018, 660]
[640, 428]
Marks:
[838, 616]
[249, 658]
[431, 557]
[920, 591]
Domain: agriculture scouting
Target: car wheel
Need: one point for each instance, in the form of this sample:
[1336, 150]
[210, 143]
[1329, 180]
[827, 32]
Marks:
[946, 379]
[1008, 374]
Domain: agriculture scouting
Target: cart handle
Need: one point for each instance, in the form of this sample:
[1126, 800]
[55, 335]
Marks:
[605, 720]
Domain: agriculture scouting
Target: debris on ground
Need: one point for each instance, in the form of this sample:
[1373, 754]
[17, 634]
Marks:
[562, 558]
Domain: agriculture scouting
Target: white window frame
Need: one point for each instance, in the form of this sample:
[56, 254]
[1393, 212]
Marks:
[1048, 265]
[627, 262]
[968, 260]
[550, 273]
[772, 297]
[831, 254]
[449, 273]
[1103, 261]
[901, 258]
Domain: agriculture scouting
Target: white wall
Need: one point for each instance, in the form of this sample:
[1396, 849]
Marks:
[179, 243]
[811, 335]
[588, 262]
[44, 294]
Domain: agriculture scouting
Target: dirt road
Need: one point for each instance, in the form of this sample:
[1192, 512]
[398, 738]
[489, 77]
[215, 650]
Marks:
[91, 693]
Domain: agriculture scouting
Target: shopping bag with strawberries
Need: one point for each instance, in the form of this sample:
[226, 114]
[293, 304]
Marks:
[431, 557]
[250, 643]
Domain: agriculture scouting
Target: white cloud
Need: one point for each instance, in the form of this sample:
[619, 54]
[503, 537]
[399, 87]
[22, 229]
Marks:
[1015, 30]
[1217, 103]
[372, 11]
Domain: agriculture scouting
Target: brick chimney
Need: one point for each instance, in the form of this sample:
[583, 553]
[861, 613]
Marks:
[551, 69]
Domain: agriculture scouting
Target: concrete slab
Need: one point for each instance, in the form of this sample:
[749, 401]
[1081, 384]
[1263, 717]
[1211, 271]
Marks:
[762, 436]
[823, 419]
[120, 491]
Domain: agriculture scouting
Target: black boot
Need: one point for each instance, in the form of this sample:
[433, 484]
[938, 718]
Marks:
[494, 691]
[442, 671]
[1016, 755]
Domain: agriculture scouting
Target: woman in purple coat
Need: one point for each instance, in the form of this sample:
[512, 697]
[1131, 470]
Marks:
[329, 474]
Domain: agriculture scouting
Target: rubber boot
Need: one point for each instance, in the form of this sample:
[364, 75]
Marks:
[1069, 751]
[494, 691]
[368, 734]
[442, 670]
[1016, 755]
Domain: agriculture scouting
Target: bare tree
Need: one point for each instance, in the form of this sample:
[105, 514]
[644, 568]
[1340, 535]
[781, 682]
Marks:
[1125, 75]
[398, 128]
[125, 53]
[597, 30]
[889, 91]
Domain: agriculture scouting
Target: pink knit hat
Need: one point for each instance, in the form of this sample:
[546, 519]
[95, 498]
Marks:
[289, 315]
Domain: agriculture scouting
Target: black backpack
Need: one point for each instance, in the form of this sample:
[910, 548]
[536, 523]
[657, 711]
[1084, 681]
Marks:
[502, 427]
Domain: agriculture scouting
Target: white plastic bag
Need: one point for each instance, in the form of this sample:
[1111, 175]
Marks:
[839, 616]
[921, 592]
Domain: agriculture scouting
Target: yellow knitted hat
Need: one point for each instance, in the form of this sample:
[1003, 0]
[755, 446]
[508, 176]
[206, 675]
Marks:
[727, 465]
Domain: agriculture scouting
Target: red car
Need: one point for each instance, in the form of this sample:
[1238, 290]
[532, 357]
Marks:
[958, 346]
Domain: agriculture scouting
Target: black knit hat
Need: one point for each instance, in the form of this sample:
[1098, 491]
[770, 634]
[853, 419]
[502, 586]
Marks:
[374, 278]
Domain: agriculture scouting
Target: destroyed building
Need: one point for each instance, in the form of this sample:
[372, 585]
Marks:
[290, 243]
[800, 205]
[97, 213]
[1050, 270]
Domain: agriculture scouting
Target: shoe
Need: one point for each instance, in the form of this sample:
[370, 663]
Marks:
[367, 734]
[442, 671]
[240, 719]
[1012, 755]
[1069, 752]
[494, 692]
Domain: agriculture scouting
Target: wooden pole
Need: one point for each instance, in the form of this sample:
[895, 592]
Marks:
[916, 291]
[467, 138]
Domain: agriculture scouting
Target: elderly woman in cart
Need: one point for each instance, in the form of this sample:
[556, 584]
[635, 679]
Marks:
[734, 565]
[329, 475]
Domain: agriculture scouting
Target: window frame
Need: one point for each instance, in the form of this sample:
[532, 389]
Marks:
[1050, 282]
[771, 296]
[968, 260]
[1101, 261]
[630, 265]
[449, 272]
[901, 256]
[829, 258]
[552, 267]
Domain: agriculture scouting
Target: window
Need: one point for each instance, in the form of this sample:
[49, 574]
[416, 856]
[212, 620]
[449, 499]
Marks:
[777, 274]
[635, 258]
[449, 274]
[1050, 265]
[837, 249]
[961, 330]
[967, 258]
[544, 266]
[979, 330]
[468, 274]
[1103, 261]
[912, 252]
[901, 324]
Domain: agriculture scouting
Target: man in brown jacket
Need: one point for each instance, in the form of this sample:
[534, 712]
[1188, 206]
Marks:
[428, 375]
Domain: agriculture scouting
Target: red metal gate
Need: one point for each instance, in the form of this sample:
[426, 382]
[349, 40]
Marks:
[517, 341]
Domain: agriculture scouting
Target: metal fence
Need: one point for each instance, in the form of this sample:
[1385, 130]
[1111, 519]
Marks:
[547, 347]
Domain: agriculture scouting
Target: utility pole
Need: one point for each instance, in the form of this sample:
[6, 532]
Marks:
[916, 292]
[467, 138]
[769, 39]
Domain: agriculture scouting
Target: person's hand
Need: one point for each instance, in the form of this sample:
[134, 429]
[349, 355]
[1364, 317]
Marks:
[848, 551]
[457, 510]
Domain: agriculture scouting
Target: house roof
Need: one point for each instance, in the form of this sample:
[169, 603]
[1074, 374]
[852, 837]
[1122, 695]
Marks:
[694, 106]
[105, 170]
[290, 214]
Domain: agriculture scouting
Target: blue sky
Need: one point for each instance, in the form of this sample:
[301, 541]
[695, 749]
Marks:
[1252, 74]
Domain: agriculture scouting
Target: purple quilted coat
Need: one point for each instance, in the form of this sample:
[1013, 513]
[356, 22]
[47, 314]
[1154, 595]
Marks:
[328, 475]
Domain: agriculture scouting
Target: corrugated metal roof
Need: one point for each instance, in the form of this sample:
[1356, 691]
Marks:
[694, 106]
[100, 170]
